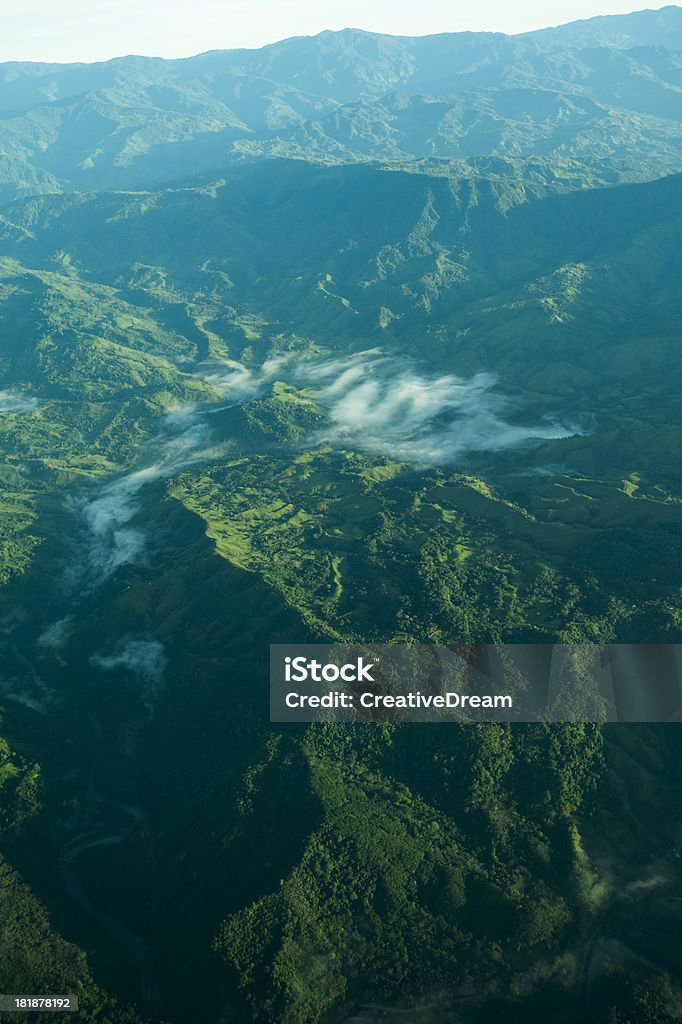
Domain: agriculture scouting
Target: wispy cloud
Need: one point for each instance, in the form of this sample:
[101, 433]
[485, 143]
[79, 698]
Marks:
[14, 401]
[25, 686]
[11, 691]
[236, 382]
[385, 406]
[55, 635]
[142, 657]
[111, 541]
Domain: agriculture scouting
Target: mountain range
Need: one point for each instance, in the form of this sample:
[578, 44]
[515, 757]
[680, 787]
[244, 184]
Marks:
[598, 101]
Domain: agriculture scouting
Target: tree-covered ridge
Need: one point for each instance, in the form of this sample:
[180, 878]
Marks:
[368, 549]
[90, 377]
[353, 258]
[479, 880]
[601, 97]
[390, 874]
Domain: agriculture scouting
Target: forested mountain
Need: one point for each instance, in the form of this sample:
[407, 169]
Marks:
[603, 101]
[643, 28]
[354, 337]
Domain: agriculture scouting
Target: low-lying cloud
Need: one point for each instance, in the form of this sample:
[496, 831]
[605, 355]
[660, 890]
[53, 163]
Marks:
[383, 404]
[14, 401]
[380, 405]
[143, 657]
[235, 382]
[25, 686]
[56, 634]
[111, 540]
[13, 691]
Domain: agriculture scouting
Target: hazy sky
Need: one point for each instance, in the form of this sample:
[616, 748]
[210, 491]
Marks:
[65, 30]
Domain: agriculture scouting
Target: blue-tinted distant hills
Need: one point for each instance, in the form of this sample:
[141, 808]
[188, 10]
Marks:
[605, 94]
[661, 27]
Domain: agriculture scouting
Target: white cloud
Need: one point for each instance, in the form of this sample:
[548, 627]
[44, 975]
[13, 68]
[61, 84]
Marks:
[110, 539]
[12, 401]
[26, 687]
[56, 634]
[236, 382]
[17, 696]
[386, 406]
[143, 657]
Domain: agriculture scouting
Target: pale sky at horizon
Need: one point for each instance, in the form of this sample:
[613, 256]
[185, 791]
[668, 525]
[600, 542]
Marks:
[90, 30]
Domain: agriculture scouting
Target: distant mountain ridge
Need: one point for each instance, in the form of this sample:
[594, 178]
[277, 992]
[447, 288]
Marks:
[662, 27]
[604, 94]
